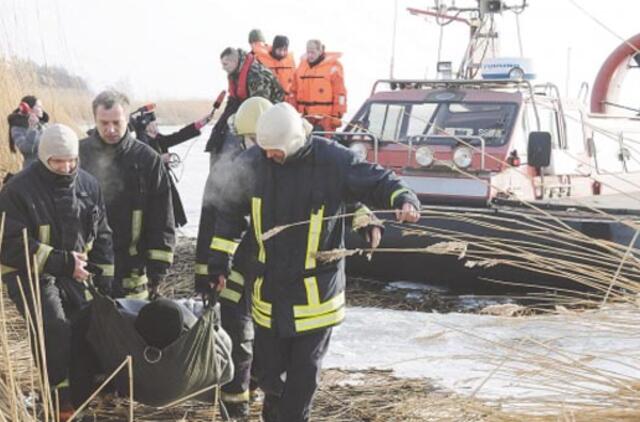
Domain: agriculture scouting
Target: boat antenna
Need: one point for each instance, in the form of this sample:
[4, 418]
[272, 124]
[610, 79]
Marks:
[393, 38]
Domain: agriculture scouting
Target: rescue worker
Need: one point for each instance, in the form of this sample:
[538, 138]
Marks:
[259, 46]
[63, 212]
[247, 78]
[296, 300]
[280, 61]
[235, 298]
[137, 193]
[161, 143]
[26, 124]
[317, 90]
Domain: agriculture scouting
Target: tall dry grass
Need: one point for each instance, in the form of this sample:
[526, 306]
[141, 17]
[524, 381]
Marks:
[179, 112]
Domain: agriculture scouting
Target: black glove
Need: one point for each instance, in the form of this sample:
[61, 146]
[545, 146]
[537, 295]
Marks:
[209, 289]
[104, 285]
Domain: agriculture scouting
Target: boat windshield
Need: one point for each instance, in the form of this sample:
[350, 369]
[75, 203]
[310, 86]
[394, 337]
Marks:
[437, 122]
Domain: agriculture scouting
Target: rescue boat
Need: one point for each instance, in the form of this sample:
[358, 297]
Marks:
[505, 165]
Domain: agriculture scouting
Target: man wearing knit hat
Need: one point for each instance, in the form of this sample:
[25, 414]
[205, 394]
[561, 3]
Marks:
[62, 210]
[296, 300]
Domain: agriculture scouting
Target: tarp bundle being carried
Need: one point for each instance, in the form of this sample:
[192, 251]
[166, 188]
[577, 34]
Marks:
[198, 359]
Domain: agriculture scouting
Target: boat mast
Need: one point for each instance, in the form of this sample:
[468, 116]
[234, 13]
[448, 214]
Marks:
[483, 33]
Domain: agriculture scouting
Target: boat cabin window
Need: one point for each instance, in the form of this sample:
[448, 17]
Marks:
[437, 122]
[491, 121]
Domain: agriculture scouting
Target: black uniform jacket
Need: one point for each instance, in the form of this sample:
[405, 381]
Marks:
[60, 214]
[162, 143]
[137, 193]
[296, 293]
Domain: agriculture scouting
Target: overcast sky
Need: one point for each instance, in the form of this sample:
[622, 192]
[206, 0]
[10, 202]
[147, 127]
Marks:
[169, 48]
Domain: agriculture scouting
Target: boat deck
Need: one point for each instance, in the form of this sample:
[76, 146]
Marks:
[619, 203]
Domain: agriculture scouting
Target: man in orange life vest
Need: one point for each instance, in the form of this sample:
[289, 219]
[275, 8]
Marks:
[317, 90]
[278, 59]
[247, 78]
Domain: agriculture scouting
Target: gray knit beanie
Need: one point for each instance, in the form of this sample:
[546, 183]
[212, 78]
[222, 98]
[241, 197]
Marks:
[57, 141]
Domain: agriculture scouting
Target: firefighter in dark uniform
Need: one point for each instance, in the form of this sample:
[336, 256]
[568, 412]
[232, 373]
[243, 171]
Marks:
[137, 193]
[235, 306]
[63, 212]
[296, 300]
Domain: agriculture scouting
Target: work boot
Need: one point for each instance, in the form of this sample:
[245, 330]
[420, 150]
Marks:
[238, 411]
[270, 408]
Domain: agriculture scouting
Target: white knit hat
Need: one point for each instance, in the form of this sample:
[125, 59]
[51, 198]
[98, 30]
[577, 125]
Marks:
[282, 128]
[57, 141]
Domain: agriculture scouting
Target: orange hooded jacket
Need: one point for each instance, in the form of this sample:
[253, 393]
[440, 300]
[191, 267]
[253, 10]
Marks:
[318, 91]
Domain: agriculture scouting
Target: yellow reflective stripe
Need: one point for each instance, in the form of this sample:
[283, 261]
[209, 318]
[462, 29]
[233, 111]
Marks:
[108, 270]
[88, 247]
[313, 239]
[311, 286]
[143, 295]
[202, 269]
[134, 281]
[236, 277]
[42, 254]
[395, 194]
[136, 230]
[44, 234]
[87, 295]
[256, 216]
[160, 255]
[331, 305]
[224, 245]
[235, 398]
[5, 269]
[64, 383]
[231, 295]
[262, 306]
[260, 319]
[322, 321]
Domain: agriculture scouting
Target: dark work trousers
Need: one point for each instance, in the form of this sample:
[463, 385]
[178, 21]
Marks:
[288, 371]
[236, 321]
[61, 299]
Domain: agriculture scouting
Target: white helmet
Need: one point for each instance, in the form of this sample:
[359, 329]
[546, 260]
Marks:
[282, 128]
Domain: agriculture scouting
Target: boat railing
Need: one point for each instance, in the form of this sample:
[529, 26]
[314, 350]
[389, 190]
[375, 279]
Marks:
[551, 90]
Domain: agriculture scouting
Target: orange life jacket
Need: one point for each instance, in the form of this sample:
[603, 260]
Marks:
[318, 92]
[283, 69]
[261, 51]
[239, 89]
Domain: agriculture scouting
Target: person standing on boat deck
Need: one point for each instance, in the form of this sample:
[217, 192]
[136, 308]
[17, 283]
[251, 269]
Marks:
[317, 90]
[259, 47]
[26, 124]
[137, 193]
[295, 299]
[280, 61]
[247, 78]
[63, 212]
